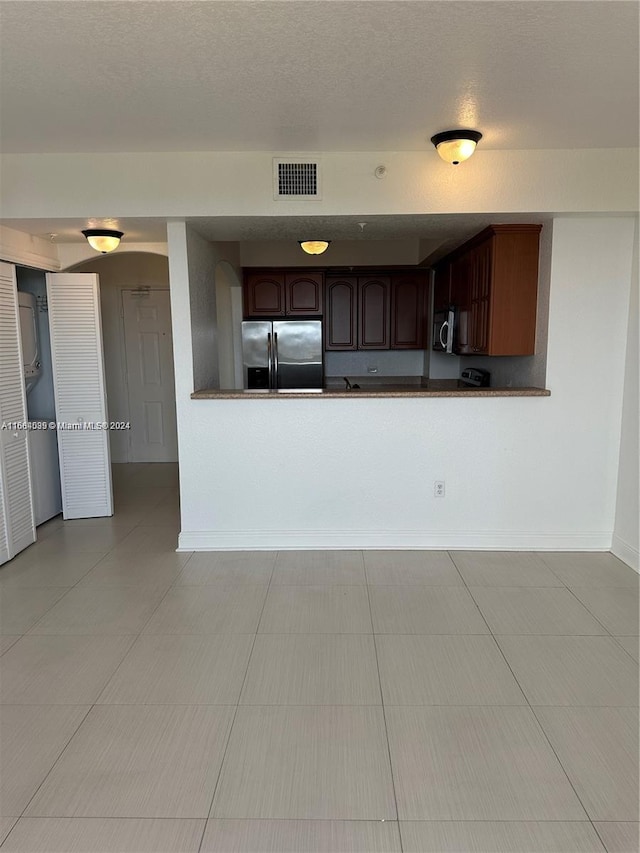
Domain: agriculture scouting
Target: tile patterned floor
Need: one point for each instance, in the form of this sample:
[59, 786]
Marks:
[311, 702]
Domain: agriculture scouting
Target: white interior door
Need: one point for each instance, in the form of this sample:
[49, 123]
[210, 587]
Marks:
[150, 380]
[17, 528]
[81, 401]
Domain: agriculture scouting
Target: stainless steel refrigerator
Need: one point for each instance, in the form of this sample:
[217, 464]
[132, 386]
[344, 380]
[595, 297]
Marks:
[282, 354]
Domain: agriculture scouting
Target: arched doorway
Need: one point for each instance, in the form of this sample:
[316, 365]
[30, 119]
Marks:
[138, 354]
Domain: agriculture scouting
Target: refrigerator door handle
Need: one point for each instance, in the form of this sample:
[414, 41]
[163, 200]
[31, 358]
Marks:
[269, 359]
[275, 359]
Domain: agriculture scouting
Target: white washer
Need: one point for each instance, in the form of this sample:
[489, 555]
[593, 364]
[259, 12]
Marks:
[30, 339]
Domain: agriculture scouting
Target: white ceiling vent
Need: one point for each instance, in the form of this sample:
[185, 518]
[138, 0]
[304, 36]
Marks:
[296, 178]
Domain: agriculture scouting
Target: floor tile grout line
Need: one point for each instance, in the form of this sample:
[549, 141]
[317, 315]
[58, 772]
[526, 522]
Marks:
[13, 826]
[502, 633]
[544, 734]
[477, 606]
[92, 705]
[384, 715]
[173, 584]
[600, 838]
[460, 575]
[133, 644]
[548, 565]
[561, 585]
[597, 586]
[628, 707]
[565, 771]
[17, 638]
[616, 637]
[237, 705]
[134, 639]
[80, 579]
[538, 723]
[610, 633]
[323, 819]
[497, 645]
[62, 751]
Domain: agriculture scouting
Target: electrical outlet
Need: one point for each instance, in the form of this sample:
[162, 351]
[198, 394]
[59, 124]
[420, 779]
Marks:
[438, 488]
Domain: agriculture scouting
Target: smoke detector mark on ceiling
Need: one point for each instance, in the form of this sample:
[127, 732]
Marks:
[296, 178]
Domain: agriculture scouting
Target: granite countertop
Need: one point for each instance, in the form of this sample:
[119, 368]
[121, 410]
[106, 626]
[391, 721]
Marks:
[428, 388]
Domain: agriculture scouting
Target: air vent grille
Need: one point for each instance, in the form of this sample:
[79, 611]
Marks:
[296, 179]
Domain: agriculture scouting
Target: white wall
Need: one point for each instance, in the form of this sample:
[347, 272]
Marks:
[201, 270]
[240, 184]
[625, 538]
[202, 260]
[228, 292]
[529, 473]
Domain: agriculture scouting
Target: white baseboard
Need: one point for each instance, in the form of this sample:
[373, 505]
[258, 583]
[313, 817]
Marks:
[625, 552]
[282, 540]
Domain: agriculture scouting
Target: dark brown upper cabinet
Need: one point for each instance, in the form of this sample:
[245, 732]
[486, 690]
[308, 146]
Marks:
[376, 311]
[278, 293]
[494, 288]
[362, 309]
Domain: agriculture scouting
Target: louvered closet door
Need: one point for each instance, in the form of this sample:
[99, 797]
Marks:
[17, 529]
[78, 378]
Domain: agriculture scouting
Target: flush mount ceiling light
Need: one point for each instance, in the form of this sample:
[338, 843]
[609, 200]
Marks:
[103, 239]
[454, 146]
[314, 247]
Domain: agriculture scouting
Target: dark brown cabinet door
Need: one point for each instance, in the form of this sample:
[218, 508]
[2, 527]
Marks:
[264, 295]
[461, 300]
[374, 320]
[303, 294]
[460, 286]
[408, 310]
[341, 313]
[514, 290]
[442, 287]
[480, 281]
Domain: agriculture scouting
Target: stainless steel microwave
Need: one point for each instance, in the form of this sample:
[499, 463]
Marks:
[443, 330]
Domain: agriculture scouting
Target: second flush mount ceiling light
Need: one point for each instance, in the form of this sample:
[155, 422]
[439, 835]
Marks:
[454, 146]
[314, 247]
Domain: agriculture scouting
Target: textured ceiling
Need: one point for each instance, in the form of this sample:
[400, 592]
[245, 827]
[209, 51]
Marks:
[315, 74]
[436, 233]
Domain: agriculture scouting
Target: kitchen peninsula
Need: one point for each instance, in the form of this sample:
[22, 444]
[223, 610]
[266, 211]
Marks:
[359, 471]
[431, 388]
